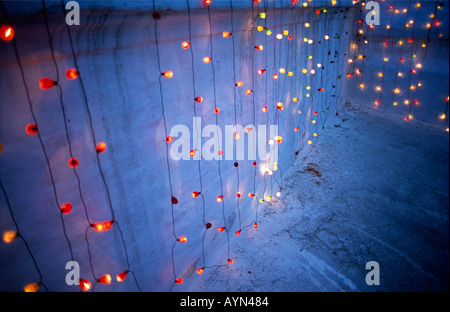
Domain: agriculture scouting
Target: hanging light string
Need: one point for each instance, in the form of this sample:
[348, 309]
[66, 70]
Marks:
[236, 164]
[85, 98]
[41, 142]
[19, 234]
[174, 201]
[211, 45]
[386, 50]
[255, 110]
[195, 140]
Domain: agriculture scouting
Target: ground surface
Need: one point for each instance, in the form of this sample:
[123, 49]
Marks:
[370, 189]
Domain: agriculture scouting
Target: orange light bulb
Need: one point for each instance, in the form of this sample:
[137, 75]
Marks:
[207, 60]
[72, 74]
[10, 236]
[7, 33]
[167, 74]
[122, 276]
[226, 34]
[101, 147]
[32, 287]
[200, 271]
[105, 279]
[221, 229]
[98, 227]
[182, 239]
[185, 45]
[85, 285]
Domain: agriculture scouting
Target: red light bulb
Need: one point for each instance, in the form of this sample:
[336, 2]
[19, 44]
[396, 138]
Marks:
[216, 110]
[195, 194]
[207, 2]
[296, 129]
[46, 83]
[198, 99]
[254, 164]
[85, 285]
[183, 239]
[72, 74]
[31, 129]
[251, 195]
[101, 147]
[208, 225]
[7, 33]
[179, 281]
[264, 109]
[174, 200]
[200, 271]
[275, 76]
[66, 208]
[238, 194]
[221, 229]
[192, 153]
[105, 279]
[169, 139]
[107, 225]
[238, 233]
[255, 225]
[321, 89]
[121, 276]
[259, 47]
[230, 261]
[73, 162]
[261, 71]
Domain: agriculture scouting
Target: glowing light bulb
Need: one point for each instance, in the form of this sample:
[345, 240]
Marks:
[105, 279]
[278, 194]
[10, 236]
[31, 129]
[261, 71]
[7, 33]
[85, 285]
[260, 28]
[396, 90]
[122, 276]
[192, 152]
[195, 194]
[179, 281]
[296, 129]
[46, 83]
[377, 102]
[248, 92]
[280, 36]
[309, 142]
[101, 147]
[185, 45]
[216, 110]
[221, 229]
[226, 34]
[275, 76]
[72, 74]
[200, 271]
[198, 99]
[33, 287]
[207, 60]
[167, 74]
[255, 225]
[207, 2]
[182, 239]
[230, 261]
[219, 199]
[282, 70]
[239, 84]
[73, 162]
[259, 47]
[443, 116]
[251, 195]
[307, 25]
[208, 225]
[169, 139]
[238, 233]
[66, 208]
[386, 59]
[304, 70]
[262, 15]
[310, 41]
[361, 86]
